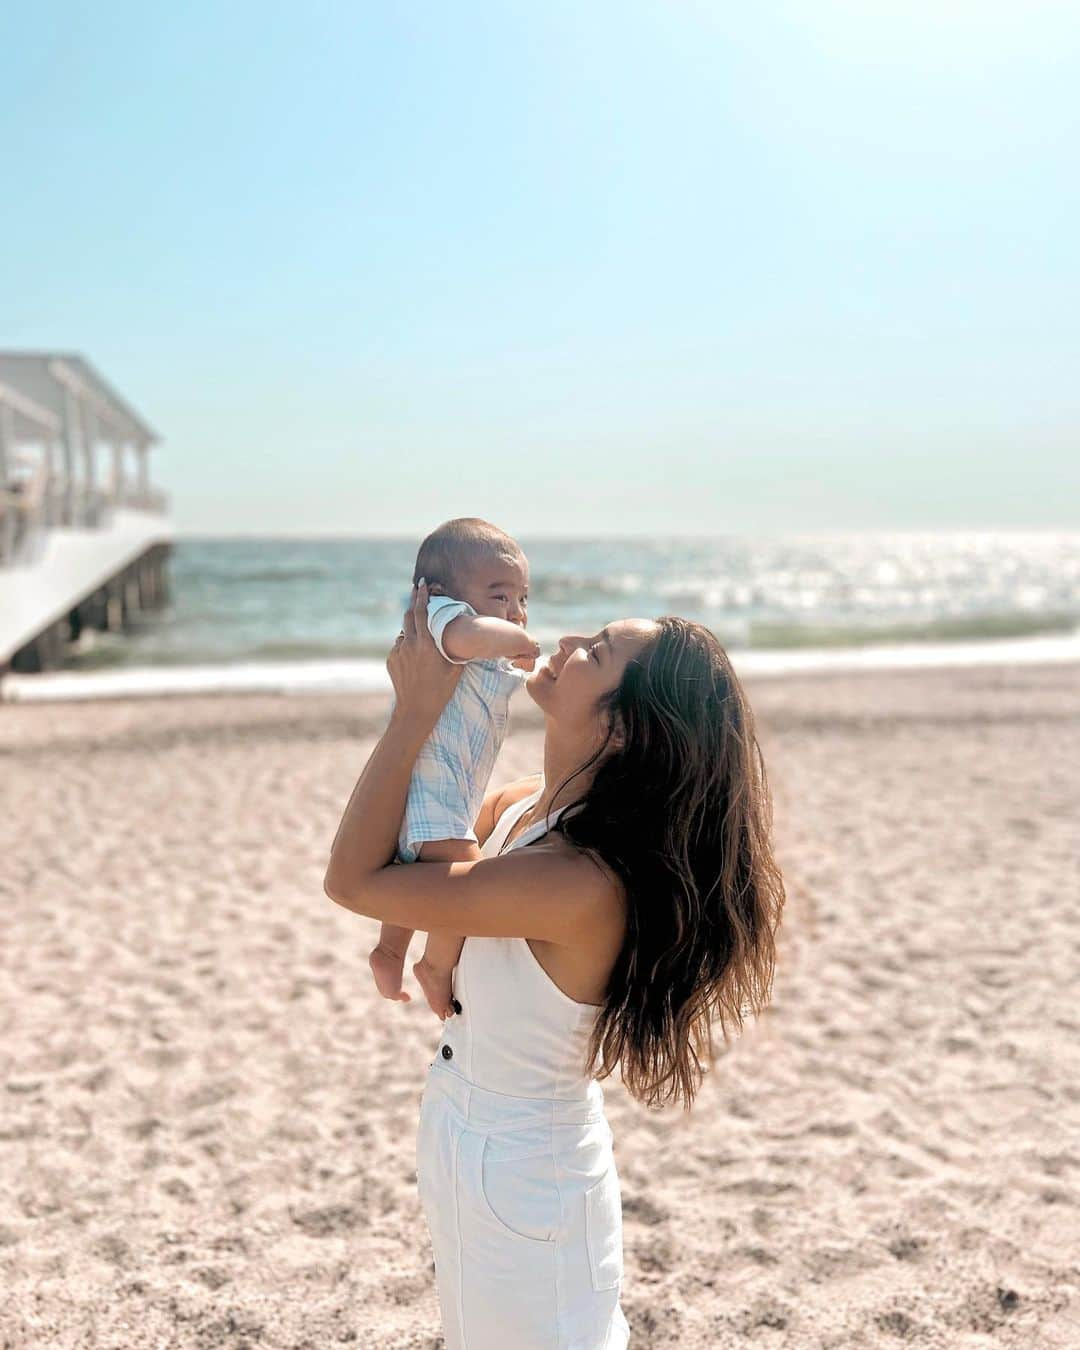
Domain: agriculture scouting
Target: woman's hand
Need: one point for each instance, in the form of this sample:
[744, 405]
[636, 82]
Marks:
[422, 677]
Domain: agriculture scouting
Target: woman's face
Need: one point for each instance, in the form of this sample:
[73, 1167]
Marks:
[570, 684]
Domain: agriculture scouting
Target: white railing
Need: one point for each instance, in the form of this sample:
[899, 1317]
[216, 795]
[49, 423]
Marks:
[35, 499]
[150, 500]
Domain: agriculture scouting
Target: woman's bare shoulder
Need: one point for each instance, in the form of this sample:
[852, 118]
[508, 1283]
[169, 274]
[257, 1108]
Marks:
[513, 792]
[498, 799]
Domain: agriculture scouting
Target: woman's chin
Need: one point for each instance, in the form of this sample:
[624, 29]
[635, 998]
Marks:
[538, 683]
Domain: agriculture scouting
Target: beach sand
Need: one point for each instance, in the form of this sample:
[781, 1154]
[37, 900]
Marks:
[207, 1116]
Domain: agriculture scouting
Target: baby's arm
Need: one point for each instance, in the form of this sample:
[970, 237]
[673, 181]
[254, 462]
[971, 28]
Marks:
[472, 637]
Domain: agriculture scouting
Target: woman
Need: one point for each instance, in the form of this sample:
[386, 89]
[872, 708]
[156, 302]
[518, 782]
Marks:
[626, 899]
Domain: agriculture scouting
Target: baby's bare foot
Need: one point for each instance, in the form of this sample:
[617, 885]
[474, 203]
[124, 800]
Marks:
[387, 966]
[437, 986]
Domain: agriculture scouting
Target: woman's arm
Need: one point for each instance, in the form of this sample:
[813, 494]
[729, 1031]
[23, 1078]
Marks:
[545, 892]
[542, 892]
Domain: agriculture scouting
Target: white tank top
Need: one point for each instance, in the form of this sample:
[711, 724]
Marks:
[517, 1032]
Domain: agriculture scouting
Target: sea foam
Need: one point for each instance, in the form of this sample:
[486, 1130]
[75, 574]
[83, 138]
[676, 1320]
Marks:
[368, 676]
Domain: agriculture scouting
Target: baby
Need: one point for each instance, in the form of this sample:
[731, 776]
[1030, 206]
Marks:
[478, 581]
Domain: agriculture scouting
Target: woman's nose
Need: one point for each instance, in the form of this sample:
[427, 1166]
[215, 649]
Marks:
[569, 644]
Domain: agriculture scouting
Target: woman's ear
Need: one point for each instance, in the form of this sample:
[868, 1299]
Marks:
[612, 727]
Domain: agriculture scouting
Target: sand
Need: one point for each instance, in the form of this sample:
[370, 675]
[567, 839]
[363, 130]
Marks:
[207, 1116]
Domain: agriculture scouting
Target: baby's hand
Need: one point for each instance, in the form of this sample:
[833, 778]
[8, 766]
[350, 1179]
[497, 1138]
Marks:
[528, 662]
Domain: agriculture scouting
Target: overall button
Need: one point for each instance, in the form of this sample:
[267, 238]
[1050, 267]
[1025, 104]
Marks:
[447, 1053]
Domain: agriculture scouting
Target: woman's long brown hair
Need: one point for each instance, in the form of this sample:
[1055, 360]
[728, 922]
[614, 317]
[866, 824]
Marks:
[679, 810]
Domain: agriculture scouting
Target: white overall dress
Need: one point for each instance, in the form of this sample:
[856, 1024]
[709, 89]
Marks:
[514, 1159]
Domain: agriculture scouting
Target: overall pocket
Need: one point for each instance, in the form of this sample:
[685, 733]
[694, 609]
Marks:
[603, 1230]
[519, 1192]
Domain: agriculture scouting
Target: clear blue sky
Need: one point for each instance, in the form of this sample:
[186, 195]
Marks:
[671, 266]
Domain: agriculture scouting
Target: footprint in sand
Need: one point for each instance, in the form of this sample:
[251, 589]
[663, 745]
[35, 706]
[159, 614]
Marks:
[405, 1290]
[898, 1323]
[209, 1094]
[179, 1189]
[832, 1129]
[835, 1263]
[759, 1256]
[642, 1209]
[759, 1187]
[328, 1220]
[212, 1276]
[654, 1256]
[906, 1248]
[767, 1312]
[24, 1086]
[143, 1129]
[112, 1249]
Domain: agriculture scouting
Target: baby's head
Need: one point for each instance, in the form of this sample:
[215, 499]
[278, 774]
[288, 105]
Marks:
[479, 563]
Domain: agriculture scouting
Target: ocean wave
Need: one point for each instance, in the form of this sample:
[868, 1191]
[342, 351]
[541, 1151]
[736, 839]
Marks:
[969, 628]
[298, 650]
[555, 588]
[107, 651]
[360, 676]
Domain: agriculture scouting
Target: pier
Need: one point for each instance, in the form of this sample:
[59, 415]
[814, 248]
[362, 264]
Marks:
[84, 537]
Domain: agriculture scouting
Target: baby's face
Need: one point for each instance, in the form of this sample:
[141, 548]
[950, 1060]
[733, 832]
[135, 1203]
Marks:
[499, 589]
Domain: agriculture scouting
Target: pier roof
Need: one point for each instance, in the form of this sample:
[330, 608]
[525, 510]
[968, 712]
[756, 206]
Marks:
[28, 419]
[43, 377]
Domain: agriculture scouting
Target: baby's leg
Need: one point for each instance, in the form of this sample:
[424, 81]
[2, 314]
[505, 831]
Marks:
[435, 969]
[387, 961]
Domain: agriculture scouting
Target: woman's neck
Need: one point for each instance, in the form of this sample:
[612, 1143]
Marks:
[561, 760]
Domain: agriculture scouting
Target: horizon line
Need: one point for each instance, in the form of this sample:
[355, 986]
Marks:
[332, 536]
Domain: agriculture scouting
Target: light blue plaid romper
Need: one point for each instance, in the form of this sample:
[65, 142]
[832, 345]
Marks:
[452, 769]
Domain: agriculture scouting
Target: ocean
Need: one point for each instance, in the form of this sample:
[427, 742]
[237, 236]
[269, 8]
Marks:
[252, 609]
